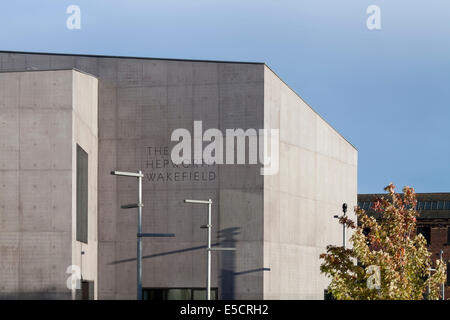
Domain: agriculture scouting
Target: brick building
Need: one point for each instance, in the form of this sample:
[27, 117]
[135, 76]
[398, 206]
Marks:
[433, 222]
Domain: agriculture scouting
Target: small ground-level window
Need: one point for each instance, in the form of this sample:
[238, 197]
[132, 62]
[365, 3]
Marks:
[178, 294]
[86, 292]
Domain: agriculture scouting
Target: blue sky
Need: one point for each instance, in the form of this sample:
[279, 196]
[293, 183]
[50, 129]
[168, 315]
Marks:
[387, 91]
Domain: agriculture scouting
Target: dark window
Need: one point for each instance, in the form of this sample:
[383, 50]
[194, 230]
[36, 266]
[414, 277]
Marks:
[434, 205]
[419, 204]
[427, 205]
[448, 273]
[425, 231]
[86, 292]
[440, 205]
[178, 294]
[82, 195]
[447, 205]
[366, 231]
[327, 295]
[448, 235]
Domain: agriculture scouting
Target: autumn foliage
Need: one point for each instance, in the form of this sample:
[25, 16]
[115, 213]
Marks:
[391, 244]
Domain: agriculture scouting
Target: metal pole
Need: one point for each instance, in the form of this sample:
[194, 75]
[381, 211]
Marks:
[208, 280]
[208, 247]
[139, 234]
[344, 240]
[139, 241]
[429, 288]
[343, 233]
[442, 284]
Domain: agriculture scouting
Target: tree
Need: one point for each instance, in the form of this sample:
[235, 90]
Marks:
[388, 247]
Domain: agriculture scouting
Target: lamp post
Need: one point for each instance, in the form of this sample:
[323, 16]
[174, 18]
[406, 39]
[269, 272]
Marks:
[429, 276]
[139, 235]
[208, 247]
[344, 236]
[441, 253]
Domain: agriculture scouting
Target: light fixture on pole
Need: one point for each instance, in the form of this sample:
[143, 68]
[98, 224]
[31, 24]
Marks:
[139, 235]
[208, 248]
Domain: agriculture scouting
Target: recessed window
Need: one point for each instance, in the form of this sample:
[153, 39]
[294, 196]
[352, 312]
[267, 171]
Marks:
[82, 195]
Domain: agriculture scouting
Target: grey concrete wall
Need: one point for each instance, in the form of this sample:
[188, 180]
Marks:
[152, 98]
[36, 183]
[85, 134]
[43, 114]
[318, 172]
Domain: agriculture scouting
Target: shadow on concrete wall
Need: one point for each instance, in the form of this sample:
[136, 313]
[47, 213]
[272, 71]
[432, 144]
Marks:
[228, 271]
[228, 263]
[161, 254]
[229, 274]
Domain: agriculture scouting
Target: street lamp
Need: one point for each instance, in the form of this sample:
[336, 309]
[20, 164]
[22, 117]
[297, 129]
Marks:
[140, 235]
[208, 248]
[344, 210]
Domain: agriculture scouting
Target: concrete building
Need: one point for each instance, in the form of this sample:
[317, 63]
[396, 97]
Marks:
[56, 110]
[44, 116]
[433, 222]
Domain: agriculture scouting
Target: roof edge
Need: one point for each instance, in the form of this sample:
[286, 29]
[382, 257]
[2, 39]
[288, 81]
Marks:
[420, 193]
[340, 134]
[129, 57]
[49, 70]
